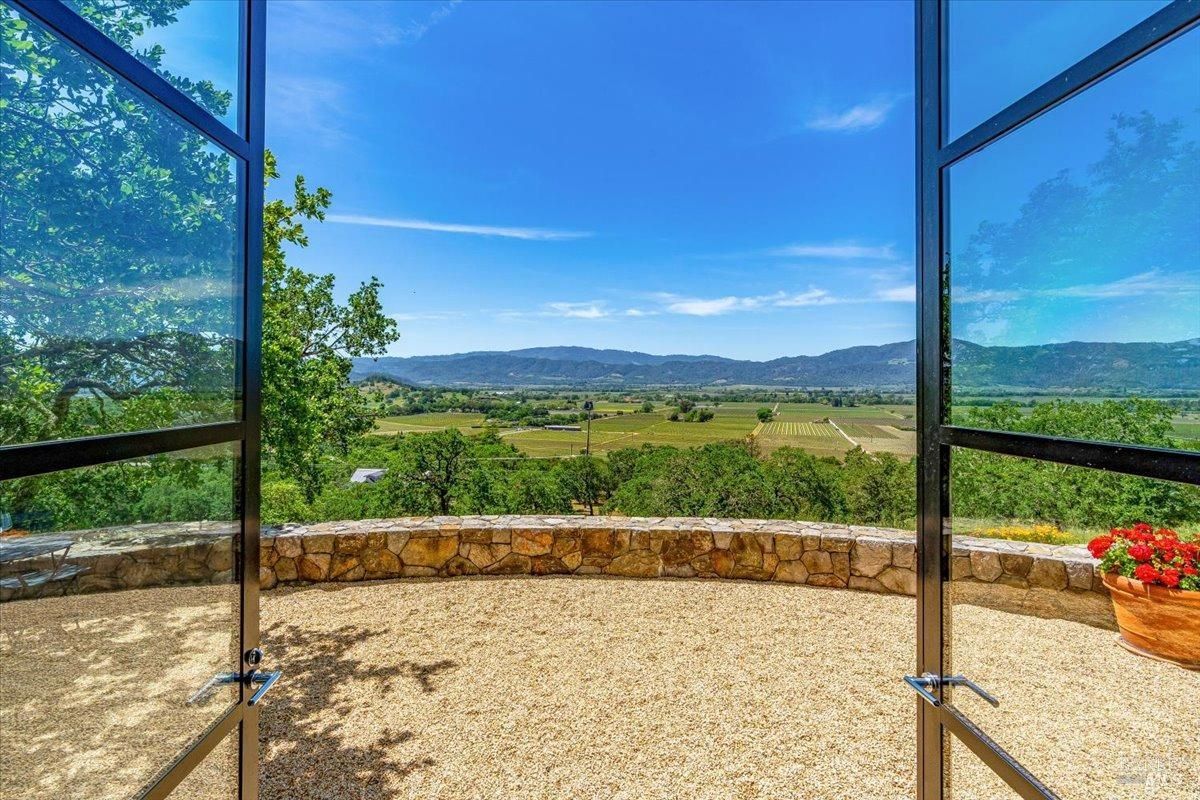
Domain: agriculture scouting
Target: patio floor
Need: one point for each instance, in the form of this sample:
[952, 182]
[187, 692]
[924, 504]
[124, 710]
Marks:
[622, 689]
[600, 688]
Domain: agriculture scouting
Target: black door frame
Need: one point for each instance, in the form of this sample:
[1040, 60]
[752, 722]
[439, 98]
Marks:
[246, 146]
[937, 436]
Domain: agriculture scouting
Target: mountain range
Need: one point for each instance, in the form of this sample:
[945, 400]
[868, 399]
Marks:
[1104, 366]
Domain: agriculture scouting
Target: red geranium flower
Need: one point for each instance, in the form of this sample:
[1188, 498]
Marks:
[1099, 546]
[1146, 573]
[1170, 578]
[1141, 552]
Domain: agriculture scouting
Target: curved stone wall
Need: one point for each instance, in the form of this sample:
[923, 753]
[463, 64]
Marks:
[1045, 580]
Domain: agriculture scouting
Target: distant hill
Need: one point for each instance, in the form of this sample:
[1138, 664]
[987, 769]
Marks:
[1107, 366]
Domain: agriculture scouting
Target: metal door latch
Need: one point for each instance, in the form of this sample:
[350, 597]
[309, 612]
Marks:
[263, 680]
[266, 681]
[928, 684]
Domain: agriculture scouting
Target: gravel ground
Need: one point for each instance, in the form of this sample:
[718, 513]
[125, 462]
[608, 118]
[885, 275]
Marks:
[92, 687]
[605, 689]
[619, 689]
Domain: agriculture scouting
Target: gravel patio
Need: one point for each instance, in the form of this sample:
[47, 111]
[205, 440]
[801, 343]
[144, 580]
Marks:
[519, 688]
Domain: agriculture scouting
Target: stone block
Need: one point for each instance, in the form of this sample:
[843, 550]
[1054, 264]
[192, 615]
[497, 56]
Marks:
[350, 542]
[904, 554]
[315, 566]
[286, 570]
[380, 562]
[789, 546]
[985, 565]
[636, 564]
[869, 558]
[291, 546]
[1017, 564]
[899, 581]
[547, 565]
[458, 566]
[1047, 573]
[431, 552]
[817, 562]
[532, 542]
[511, 564]
[1079, 575]
[322, 543]
[598, 543]
[791, 572]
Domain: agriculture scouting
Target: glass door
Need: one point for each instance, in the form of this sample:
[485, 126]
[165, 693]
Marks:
[131, 206]
[1059, 223]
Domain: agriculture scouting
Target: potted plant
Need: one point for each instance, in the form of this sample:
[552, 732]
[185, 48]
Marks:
[1153, 577]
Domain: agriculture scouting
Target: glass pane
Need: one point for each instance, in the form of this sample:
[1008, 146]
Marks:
[968, 778]
[1000, 51]
[1031, 622]
[194, 44]
[119, 602]
[214, 778]
[1075, 264]
[120, 251]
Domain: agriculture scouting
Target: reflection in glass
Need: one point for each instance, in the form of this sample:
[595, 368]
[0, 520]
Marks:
[119, 603]
[1029, 623]
[968, 778]
[120, 253]
[194, 44]
[1000, 51]
[1074, 257]
[214, 778]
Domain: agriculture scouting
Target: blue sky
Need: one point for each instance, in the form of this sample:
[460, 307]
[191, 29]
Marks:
[725, 178]
[731, 178]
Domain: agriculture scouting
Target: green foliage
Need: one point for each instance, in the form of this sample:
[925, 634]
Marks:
[309, 406]
[283, 501]
[764, 414]
[587, 480]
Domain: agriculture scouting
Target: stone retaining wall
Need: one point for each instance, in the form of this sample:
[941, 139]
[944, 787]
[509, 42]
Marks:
[1039, 579]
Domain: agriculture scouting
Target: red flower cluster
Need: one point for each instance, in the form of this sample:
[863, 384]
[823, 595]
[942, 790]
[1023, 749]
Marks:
[1151, 556]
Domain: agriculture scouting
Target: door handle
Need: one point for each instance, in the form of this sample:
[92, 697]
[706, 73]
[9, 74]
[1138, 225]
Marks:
[267, 680]
[210, 686]
[925, 686]
[928, 683]
[962, 680]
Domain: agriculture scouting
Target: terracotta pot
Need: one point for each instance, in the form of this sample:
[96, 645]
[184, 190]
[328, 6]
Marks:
[1156, 620]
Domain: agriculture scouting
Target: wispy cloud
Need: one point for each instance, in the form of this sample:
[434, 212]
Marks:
[589, 310]
[314, 106]
[1150, 282]
[717, 306]
[529, 234]
[842, 250]
[351, 28]
[861, 117]
[1153, 281]
[897, 294]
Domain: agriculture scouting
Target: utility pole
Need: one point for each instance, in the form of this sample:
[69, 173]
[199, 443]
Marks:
[588, 405]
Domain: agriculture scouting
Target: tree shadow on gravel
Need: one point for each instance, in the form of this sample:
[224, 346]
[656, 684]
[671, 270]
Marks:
[307, 749]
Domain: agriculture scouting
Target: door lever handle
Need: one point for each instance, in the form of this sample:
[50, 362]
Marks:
[962, 680]
[925, 686]
[267, 680]
[210, 686]
[929, 683]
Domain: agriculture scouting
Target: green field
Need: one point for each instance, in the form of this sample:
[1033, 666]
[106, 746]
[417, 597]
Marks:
[424, 423]
[800, 425]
